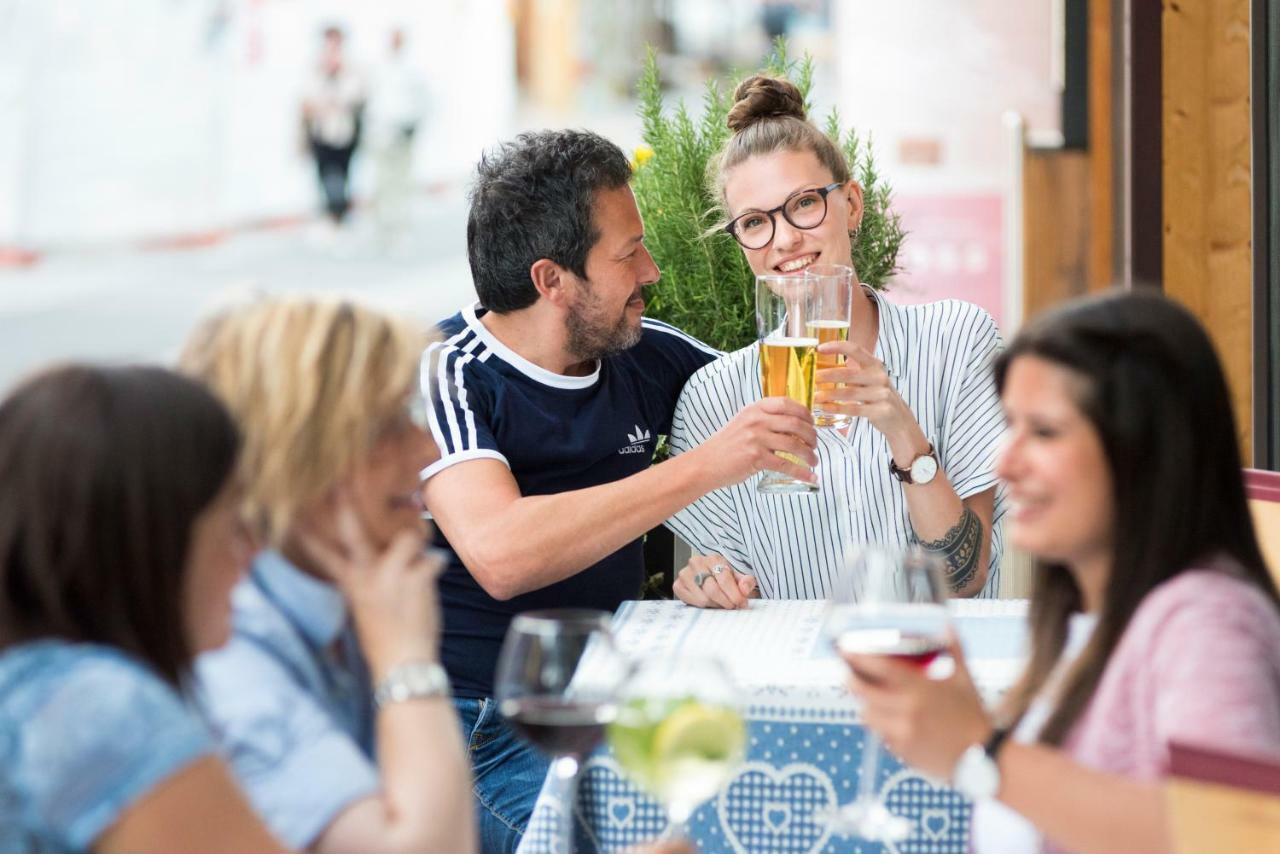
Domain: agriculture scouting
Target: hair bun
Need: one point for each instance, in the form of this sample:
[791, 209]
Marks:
[760, 97]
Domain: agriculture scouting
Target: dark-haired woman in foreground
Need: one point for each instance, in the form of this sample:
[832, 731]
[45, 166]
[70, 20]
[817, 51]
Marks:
[119, 546]
[1154, 619]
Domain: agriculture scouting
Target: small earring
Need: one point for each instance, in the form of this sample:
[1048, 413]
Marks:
[853, 232]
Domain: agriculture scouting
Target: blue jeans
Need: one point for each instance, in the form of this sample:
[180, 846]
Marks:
[507, 774]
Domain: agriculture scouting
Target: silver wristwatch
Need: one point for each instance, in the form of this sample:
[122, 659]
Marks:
[921, 470]
[417, 680]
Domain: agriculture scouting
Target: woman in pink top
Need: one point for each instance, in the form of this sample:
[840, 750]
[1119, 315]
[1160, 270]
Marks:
[1154, 619]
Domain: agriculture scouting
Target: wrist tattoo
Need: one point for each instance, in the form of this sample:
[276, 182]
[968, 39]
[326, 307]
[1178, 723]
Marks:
[960, 547]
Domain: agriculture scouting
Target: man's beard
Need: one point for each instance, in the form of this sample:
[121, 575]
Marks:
[591, 336]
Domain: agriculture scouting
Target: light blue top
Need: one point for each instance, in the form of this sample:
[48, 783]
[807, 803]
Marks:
[85, 732]
[289, 700]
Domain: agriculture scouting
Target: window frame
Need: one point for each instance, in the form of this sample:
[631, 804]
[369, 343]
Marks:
[1265, 55]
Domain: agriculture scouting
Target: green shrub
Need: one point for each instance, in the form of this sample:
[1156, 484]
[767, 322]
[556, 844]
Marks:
[707, 289]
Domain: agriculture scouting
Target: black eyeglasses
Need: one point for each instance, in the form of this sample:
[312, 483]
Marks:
[804, 209]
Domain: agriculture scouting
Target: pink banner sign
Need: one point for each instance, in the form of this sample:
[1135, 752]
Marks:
[954, 249]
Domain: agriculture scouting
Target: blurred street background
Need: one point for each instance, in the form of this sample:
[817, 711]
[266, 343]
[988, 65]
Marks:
[153, 159]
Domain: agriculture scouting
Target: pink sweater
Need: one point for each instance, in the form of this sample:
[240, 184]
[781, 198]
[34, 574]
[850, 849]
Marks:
[1199, 663]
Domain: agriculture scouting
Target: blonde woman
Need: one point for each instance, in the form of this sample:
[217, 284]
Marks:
[329, 699]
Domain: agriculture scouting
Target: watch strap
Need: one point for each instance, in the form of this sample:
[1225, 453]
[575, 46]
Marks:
[415, 680]
[995, 742]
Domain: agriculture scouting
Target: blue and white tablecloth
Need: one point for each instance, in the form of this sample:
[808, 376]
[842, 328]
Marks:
[805, 743]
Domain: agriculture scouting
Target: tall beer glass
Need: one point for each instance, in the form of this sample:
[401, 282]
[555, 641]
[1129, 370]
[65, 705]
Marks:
[788, 353]
[832, 312]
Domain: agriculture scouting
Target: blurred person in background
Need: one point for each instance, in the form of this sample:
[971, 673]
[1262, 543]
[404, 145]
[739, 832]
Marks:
[397, 109]
[776, 17]
[120, 542]
[332, 106]
[1153, 618]
[329, 699]
[917, 462]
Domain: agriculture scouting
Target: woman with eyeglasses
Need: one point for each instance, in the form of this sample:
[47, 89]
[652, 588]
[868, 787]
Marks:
[329, 700]
[915, 464]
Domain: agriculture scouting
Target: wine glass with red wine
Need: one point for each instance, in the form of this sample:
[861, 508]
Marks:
[557, 684]
[886, 601]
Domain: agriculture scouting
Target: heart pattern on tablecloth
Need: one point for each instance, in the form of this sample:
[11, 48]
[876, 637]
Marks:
[544, 831]
[615, 813]
[767, 809]
[940, 814]
[619, 811]
[934, 823]
[777, 817]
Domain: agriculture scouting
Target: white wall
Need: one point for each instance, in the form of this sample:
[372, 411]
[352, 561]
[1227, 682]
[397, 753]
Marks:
[946, 70]
[131, 119]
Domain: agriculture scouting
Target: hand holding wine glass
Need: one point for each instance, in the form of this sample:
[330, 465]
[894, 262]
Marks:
[927, 721]
[888, 607]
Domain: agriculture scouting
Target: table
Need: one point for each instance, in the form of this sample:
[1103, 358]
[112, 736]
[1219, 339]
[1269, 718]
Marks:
[804, 740]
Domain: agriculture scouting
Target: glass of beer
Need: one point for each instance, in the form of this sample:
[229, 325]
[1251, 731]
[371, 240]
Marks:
[788, 354]
[832, 312]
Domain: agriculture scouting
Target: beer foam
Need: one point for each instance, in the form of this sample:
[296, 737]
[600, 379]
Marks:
[790, 342]
[828, 324]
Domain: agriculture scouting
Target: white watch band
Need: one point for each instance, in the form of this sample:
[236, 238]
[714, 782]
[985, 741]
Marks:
[416, 680]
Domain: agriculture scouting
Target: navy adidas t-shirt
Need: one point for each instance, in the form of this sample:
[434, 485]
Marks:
[556, 433]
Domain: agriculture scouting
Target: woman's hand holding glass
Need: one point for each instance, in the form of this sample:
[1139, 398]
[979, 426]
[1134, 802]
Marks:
[886, 604]
[861, 388]
[710, 581]
[927, 721]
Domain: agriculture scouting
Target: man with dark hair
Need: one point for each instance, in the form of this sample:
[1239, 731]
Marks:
[549, 398]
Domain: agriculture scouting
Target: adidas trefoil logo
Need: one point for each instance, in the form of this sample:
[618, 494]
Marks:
[639, 442]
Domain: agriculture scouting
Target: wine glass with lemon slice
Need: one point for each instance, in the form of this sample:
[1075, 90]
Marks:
[678, 733]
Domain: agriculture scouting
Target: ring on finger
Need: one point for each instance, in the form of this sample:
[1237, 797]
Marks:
[717, 569]
[699, 578]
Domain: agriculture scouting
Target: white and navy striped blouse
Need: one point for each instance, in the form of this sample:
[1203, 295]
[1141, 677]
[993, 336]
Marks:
[939, 358]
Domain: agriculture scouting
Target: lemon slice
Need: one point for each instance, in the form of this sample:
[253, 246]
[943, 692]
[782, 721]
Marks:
[701, 731]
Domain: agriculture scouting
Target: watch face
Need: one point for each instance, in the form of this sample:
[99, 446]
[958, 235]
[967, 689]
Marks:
[923, 469]
[977, 775]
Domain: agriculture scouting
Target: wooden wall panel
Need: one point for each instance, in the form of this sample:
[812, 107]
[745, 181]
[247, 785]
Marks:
[1056, 227]
[1207, 200]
